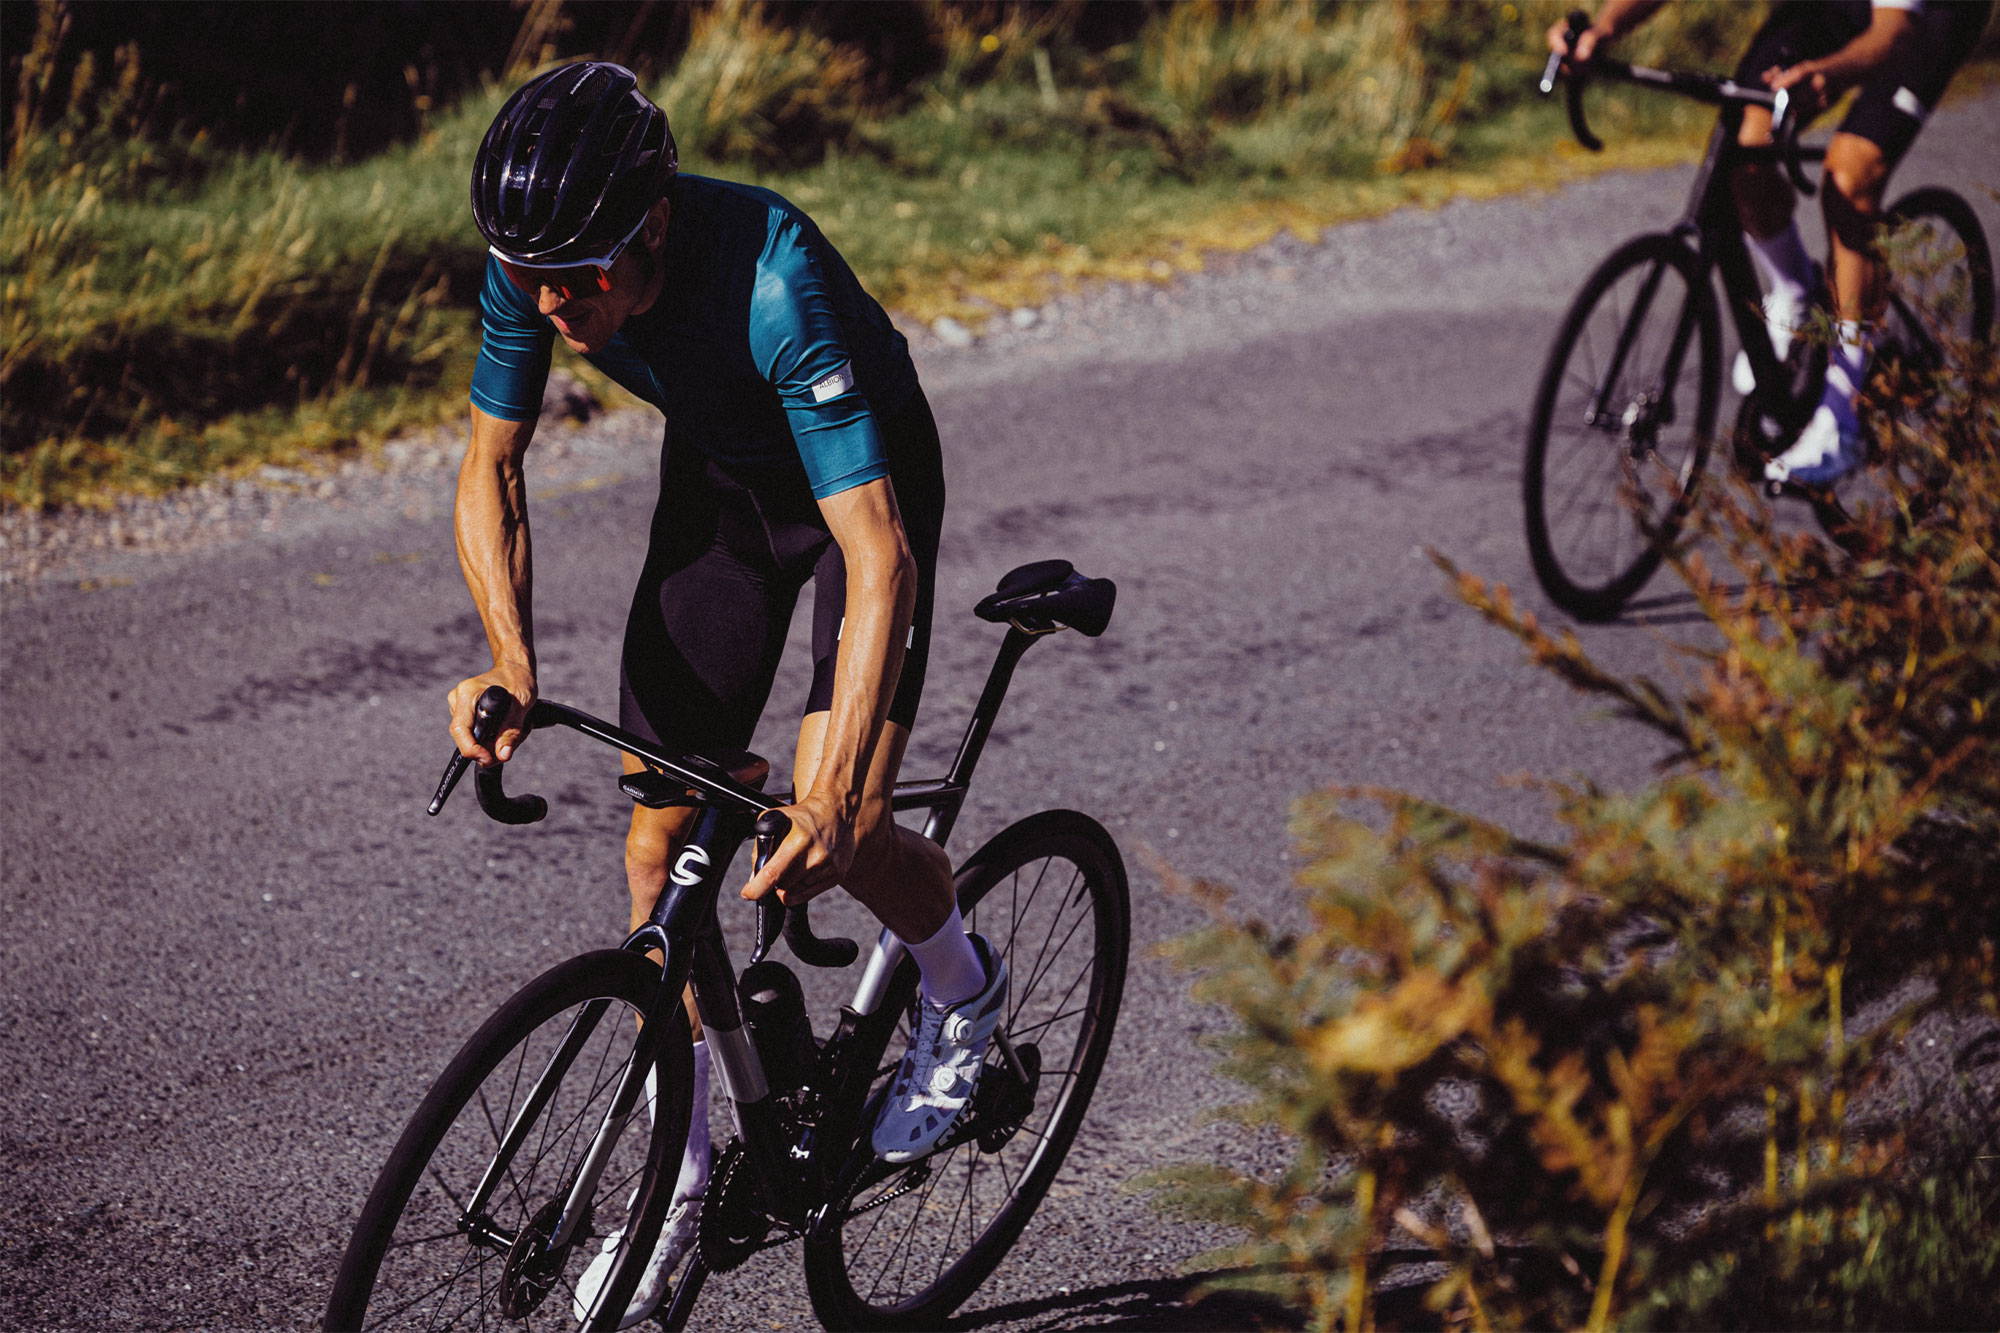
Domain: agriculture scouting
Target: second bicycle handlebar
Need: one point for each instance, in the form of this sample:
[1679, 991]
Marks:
[1786, 122]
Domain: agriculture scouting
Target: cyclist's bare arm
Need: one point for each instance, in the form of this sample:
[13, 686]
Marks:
[881, 599]
[490, 521]
[1887, 30]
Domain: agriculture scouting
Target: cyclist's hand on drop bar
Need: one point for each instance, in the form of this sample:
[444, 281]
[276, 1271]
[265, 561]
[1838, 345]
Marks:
[813, 857]
[1807, 85]
[520, 686]
[1586, 45]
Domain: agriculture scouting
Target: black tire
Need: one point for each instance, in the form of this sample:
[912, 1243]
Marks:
[1605, 499]
[412, 1262]
[1940, 306]
[907, 1245]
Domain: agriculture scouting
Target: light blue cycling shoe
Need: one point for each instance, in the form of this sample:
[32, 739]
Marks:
[1828, 449]
[934, 1084]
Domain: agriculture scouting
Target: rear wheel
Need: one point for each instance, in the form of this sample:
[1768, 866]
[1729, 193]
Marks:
[1622, 425]
[1940, 310]
[520, 1108]
[903, 1245]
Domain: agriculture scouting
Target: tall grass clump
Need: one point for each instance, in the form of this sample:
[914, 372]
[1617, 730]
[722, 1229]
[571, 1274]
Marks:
[1650, 1072]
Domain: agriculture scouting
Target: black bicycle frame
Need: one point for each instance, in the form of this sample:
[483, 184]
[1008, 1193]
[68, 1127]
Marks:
[1711, 219]
[685, 930]
[1710, 223]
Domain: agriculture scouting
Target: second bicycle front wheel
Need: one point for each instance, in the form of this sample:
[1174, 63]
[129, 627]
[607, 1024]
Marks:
[1622, 425]
[908, 1243]
[465, 1227]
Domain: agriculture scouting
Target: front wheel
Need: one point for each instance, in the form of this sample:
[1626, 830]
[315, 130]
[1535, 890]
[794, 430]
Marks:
[1939, 312]
[904, 1245]
[465, 1226]
[1622, 424]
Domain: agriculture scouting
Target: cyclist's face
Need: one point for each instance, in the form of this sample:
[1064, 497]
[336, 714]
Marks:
[588, 304]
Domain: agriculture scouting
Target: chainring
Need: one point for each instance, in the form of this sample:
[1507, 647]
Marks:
[733, 1224]
[1002, 1101]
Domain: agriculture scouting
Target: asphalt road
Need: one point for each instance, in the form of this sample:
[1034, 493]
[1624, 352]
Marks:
[234, 950]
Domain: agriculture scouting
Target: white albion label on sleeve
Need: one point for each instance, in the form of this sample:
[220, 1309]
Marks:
[839, 382]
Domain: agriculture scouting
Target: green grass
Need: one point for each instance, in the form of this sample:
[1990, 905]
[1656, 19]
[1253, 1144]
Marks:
[172, 312]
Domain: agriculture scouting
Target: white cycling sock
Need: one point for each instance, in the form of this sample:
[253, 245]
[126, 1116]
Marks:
[1782, 262]
[693, 1178]
[694, 1161]
[950, 966]
[1847, 368]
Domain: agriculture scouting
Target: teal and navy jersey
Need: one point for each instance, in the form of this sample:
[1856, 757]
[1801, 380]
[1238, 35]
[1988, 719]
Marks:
[762, 346]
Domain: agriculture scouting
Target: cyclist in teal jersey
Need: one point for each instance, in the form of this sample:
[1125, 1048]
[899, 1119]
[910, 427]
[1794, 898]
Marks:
[1900, 54]
[799, 448]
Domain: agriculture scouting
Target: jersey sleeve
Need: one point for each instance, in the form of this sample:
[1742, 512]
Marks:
[797, 343]
[514, 346]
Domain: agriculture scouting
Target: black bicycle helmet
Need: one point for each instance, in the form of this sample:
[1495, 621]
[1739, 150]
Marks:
[570, 165]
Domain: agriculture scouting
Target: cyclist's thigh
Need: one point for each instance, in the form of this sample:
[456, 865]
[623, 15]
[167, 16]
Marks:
[708, 620]
[917, 474]
[1896, 100]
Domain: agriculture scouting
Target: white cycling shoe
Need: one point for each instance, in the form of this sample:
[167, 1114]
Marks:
[1783, 315]
[677, 1237]
[934, 1084]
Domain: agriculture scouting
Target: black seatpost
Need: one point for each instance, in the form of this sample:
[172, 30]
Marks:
[980, 726]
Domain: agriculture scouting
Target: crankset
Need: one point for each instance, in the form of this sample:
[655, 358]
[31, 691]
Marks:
[1004, 1098]
[734, 1225]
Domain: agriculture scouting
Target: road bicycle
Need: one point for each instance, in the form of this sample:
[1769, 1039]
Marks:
[557, 1131]
[1625, 410]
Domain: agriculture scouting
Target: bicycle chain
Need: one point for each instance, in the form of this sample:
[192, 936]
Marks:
[917, 1175]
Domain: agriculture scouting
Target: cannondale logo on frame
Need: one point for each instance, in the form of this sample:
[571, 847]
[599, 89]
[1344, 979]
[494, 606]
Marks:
[687, 870]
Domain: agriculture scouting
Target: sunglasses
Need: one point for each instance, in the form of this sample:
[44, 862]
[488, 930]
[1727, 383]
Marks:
[587, 277]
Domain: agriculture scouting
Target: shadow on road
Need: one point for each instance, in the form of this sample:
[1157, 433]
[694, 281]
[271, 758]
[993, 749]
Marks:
[1168, 1304]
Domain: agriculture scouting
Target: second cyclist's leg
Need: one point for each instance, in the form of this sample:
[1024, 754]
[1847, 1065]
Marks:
[1764, 198]
[1830, 446]
[1764, 210]
[1896, 97]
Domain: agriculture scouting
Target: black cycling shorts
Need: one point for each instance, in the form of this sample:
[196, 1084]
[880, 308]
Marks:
[1894, 101]
[731, 548]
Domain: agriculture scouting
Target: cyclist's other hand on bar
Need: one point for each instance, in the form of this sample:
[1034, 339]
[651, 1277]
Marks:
[1586, 46]
[519, 682]
[1806, 82]
[812, 858]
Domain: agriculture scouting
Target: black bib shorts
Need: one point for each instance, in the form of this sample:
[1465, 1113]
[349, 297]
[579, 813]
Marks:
[731, 548]
[1895, 100]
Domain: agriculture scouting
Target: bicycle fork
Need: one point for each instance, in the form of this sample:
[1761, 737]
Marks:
[576, 1203]
[1654, 407]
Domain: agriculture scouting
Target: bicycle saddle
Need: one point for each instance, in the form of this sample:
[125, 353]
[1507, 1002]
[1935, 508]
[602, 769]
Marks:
[656, 791]
[1048, 595]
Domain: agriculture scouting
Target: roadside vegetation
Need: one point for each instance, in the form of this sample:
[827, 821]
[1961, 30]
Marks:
[1721, 1054]
[174, 309]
